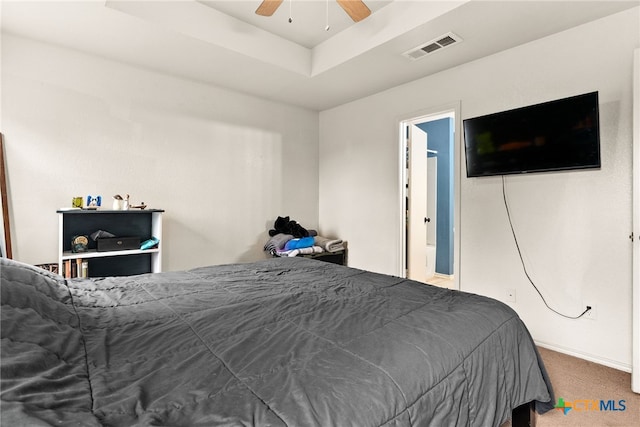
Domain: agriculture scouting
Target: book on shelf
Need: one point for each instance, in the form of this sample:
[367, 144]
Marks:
[75, 268]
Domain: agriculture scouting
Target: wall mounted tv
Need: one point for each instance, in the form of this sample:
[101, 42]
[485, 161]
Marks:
[557, 135]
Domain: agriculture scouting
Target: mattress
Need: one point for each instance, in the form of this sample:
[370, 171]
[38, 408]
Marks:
[279, 342]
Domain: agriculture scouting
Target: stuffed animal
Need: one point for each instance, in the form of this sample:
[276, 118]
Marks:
[94, 201]
[286, 226]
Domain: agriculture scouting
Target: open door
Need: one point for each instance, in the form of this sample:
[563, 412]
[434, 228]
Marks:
[417, 217]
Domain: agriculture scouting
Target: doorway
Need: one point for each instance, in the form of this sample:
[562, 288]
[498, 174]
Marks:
[430, 197]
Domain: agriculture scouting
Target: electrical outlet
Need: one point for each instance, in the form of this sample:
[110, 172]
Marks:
[591, 314]
[511, 295]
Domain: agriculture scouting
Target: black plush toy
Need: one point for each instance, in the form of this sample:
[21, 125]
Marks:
[279, 226]
[286, 226]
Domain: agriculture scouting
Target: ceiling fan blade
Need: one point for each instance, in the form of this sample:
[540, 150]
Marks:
[356, 9]
[268, 7]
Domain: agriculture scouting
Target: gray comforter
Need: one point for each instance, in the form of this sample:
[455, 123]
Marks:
[281, 342]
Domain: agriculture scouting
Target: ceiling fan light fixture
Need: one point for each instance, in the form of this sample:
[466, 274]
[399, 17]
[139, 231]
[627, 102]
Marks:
[268, 7]
[356, 9]
[327, 16]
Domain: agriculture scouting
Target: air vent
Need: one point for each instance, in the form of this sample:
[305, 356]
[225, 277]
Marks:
[431, 47]
[434, 45]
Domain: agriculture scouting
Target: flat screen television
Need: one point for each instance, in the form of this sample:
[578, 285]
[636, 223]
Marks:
[557, 135]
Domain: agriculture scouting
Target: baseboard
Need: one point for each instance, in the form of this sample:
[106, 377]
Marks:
[589, 357]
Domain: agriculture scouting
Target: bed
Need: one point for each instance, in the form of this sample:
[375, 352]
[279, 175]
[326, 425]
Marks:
[279, 342]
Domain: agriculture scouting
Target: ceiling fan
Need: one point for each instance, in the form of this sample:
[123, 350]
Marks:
[356, 9]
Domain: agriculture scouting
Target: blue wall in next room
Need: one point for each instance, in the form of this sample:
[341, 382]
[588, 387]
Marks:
[440, 139]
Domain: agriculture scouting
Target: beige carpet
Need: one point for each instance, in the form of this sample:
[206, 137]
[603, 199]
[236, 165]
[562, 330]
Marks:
[577, 381]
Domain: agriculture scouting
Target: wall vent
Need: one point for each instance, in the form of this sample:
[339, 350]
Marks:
[432, 46]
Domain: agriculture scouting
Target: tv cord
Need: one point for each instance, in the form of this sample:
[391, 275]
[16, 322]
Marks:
[524, 267]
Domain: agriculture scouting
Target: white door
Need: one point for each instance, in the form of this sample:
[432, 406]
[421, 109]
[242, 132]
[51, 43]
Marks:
[417, 217]
[432, 199]
[432, 203]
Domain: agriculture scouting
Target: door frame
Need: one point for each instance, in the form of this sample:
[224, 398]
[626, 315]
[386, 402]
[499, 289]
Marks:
[422, 116]
[635, 240]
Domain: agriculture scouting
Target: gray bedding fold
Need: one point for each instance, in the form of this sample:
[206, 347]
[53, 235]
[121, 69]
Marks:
[281, 342]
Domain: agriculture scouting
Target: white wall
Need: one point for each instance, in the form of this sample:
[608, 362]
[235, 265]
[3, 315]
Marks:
[572, 226]
[222, 164]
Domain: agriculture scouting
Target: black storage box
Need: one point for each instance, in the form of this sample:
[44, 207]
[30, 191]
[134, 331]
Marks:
[117, 244]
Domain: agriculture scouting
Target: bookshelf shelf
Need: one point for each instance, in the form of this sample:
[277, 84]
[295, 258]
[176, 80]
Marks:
[92, 253]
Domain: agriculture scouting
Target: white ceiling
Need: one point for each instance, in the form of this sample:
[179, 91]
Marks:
[309, 17]
[225, 44]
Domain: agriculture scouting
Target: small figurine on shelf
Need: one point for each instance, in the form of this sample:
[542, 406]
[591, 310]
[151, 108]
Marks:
[79, 244]
[76, 202]
[94, 202]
